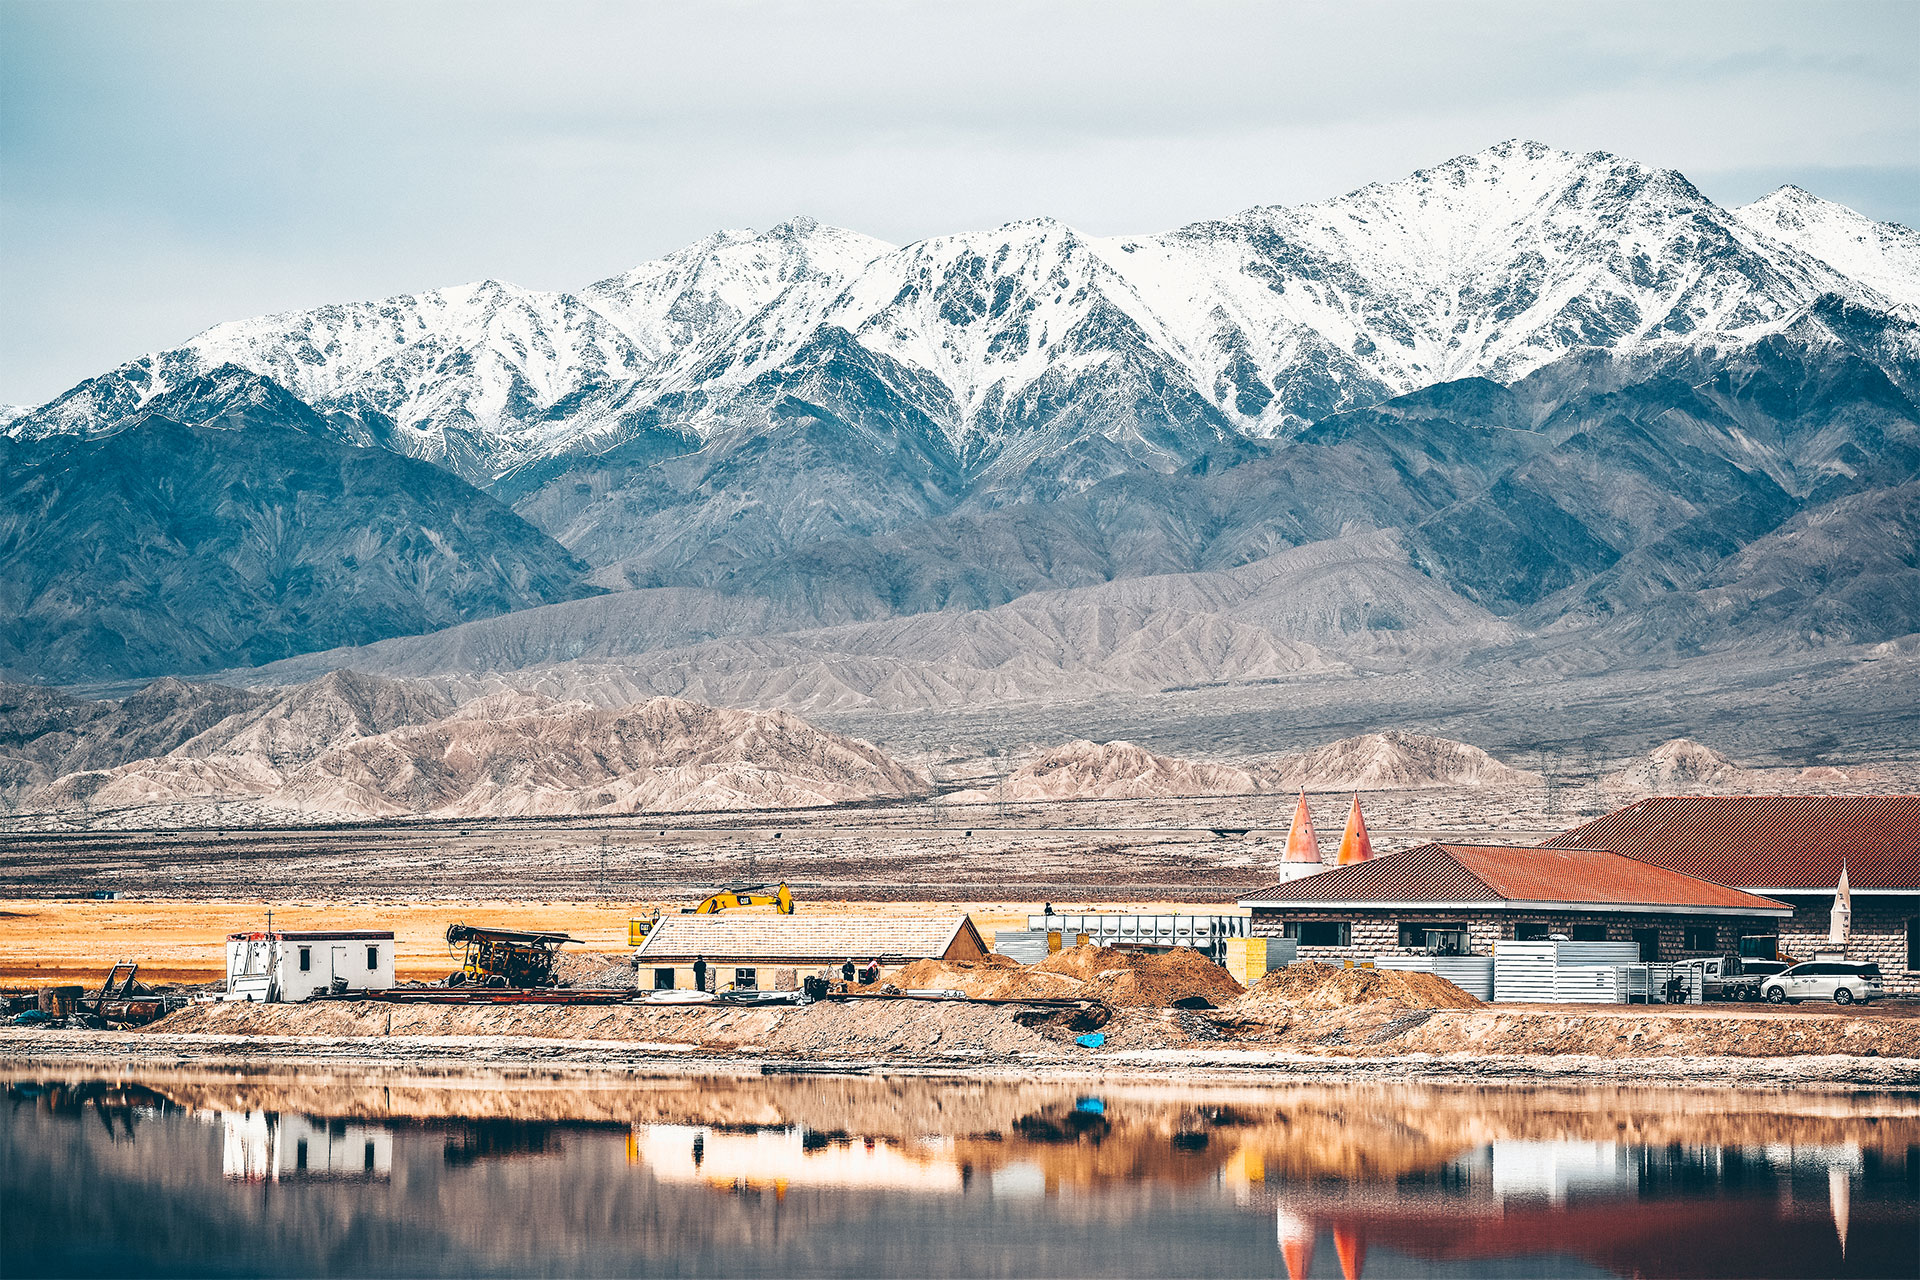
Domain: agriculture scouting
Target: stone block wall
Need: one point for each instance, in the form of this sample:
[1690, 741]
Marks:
[1377, 933]
[1880, 927]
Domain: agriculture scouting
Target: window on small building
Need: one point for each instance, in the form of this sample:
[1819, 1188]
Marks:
[1447, 938]
[663, 979]
[1319, 933]
[306, 959]
[1588, 933]
[1529, 931]
[1913, 945]
[1649, 940]
[1702, 937]
[373, 957]
[746, 979]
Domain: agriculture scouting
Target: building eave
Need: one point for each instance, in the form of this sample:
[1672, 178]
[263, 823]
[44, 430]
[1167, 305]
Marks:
[1827, 891]
[1777, 910]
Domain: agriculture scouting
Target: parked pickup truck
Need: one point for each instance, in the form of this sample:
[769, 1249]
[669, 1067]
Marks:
[1731, 977]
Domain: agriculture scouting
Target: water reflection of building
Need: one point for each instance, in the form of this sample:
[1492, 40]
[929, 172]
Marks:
[759, 1159]
[1645, 1210]
[268, 1146]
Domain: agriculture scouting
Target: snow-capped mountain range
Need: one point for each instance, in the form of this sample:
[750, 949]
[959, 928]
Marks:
[1032, 337]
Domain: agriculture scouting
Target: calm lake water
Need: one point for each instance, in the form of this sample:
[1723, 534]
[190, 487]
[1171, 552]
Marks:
[409, 1173]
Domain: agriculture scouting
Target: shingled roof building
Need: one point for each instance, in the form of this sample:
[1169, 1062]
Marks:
[1461, 899]
[1791, 848]
[772, 951]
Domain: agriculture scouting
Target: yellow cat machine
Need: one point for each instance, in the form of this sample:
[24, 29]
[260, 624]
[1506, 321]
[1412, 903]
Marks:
[504, 957]
[776, 896]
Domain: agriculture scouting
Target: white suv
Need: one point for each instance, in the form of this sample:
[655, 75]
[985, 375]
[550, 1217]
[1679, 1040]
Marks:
[1824, 980]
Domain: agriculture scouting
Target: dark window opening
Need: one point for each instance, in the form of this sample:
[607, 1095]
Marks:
[1443, 939]
[1766, 946]
[1529, 931]
[1913, 945]
[1319, 933]
[1588, 933]
[1704, 937]
[663, 979]
[373, 957]
[306, 959]
[369, 1157]
[1649, 940]
[746, 979]
[300, 1155]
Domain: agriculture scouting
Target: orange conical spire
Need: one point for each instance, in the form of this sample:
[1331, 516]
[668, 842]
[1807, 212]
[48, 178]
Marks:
[1352, 1249]
[1302, 844]
[1354, 845]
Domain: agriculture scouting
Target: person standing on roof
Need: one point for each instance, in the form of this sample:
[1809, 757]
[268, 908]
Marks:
[699, 973]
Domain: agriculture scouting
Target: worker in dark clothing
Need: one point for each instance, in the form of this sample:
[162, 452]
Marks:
[699, 973]
[846, 970]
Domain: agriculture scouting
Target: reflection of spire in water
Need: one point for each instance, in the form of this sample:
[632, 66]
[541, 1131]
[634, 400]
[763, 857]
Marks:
[1840, 1199]
[1352, 1248]
[1296, 1244]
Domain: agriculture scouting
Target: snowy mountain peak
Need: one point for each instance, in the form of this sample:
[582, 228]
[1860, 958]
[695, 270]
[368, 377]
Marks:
[1021, 340]
[1884, 256]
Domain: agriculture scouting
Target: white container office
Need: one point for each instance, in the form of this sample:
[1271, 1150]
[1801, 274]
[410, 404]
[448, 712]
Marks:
[285, 967]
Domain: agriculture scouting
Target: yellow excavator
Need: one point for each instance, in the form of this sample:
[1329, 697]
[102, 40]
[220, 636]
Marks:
[776, 896]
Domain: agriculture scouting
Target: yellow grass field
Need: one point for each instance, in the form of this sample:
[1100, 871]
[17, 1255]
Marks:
[47, 941]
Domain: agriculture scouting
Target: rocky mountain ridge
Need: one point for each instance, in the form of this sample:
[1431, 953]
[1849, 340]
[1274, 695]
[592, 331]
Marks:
[353, 746]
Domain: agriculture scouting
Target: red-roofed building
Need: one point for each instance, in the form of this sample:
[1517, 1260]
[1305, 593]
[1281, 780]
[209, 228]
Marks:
[1791, 848]
[1463, 898]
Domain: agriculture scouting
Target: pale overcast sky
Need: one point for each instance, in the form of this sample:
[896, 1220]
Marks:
[165, 166]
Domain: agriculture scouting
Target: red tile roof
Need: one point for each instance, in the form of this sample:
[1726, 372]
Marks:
[1768, 842]
[1496, 874]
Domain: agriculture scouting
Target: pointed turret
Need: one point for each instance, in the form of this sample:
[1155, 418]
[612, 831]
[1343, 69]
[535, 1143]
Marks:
[1355, 846]
[1303, 847]
[1840, 923]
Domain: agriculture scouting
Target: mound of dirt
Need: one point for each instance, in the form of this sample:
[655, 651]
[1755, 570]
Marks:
[1121, 978]
[1310, 985]
[592, 969]
[1141, 978]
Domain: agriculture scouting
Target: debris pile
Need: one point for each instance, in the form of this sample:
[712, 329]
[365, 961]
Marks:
[592, 969]
[1309, 985]
[1124, 979]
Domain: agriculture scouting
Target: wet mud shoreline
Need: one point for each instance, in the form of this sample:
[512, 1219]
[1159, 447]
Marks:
[112, 1051]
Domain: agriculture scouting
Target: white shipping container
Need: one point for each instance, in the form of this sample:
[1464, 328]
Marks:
[1472, 974]
[288, 967]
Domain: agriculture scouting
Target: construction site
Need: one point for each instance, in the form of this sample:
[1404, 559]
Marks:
[1655, 935]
